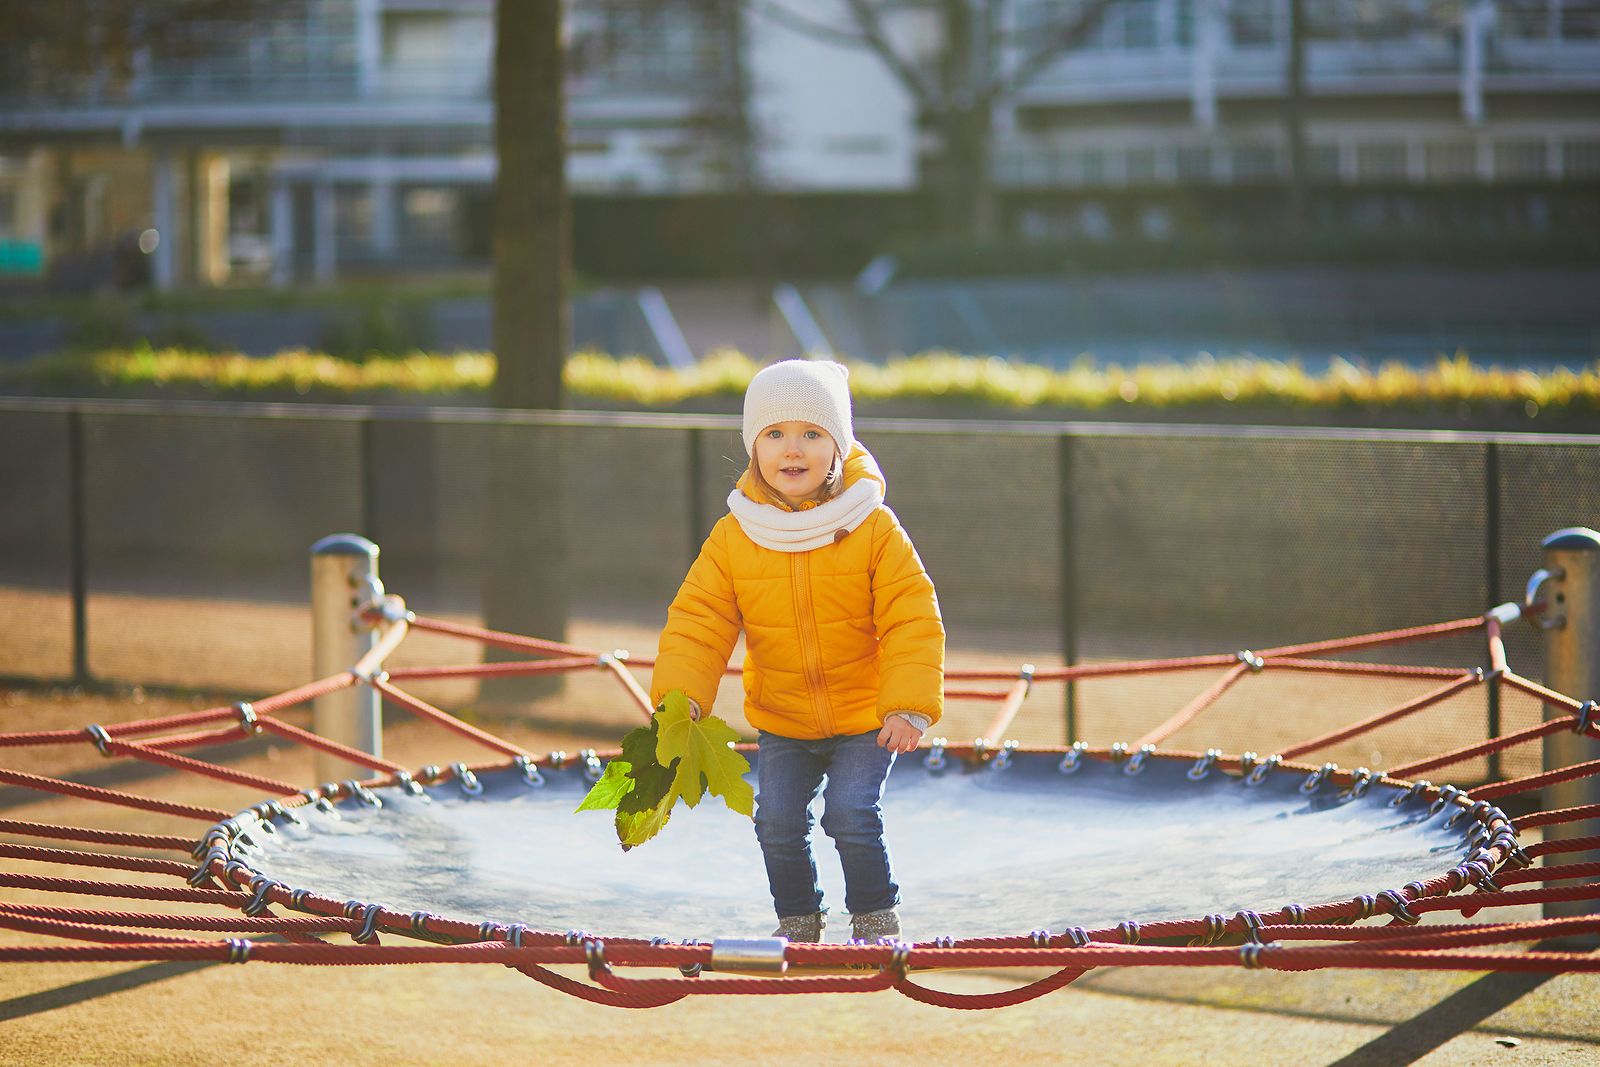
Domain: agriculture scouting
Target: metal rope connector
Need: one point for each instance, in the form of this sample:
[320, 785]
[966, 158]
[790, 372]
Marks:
[101, 739]
[1251, 660]
[594, 953]
[1216, 927]
[1026, 674]
[530, 771]
[1588, 716]
[1252, 925]
[247, 717]
[1315, 779]
[592, 769]
[1136, 762]
[369, 925]
[1259, 773]
[934, 761]
[1072, 760]
[1203, 765]
[750, 955]
[239, 949]
[467, 780]
[1002, 759]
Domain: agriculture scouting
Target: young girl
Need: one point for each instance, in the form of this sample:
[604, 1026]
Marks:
[844, 647]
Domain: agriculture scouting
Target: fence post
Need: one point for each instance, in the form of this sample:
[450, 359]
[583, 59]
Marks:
[78, 542]
[1067, 535]
[344, 575]
[1571, 622]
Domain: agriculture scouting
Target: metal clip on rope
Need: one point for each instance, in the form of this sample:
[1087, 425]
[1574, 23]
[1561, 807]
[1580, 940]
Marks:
[1073, 758]
[1315, 779]
[530, 771]
[1588, 716]
[101, 739]
[1203, 765]
[592, 770]
[468, 781]
[1398, 907]
[1002, 759]
[1216, 926]
[353, 788]
[935, 758]
[1136, 762]
[1251, 660]
[1259, 773]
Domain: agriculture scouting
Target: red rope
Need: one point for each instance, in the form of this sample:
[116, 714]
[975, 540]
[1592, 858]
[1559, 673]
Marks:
[1210, 696]
[109, 796]
[1532, 688]
[96, 859]
[1563, 844]
[183, 894]
[194, 766]
[1385, 637]
[1514, 786]
[1494, 744]
[274, 725]
[445, 719]
[1559, 815]
[1410, 707]
[500, 639]
[1378, 670]
[488, 670]
[103, 837]
[978, 1001]
[310, 691]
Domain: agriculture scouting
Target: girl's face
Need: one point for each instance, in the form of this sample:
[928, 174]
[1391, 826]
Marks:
[794, 458]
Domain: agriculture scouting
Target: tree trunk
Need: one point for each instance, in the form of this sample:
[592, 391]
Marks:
[1294, 102]
[524, 544]
[532, 231]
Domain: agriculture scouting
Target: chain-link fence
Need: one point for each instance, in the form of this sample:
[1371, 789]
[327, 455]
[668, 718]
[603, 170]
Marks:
[166, 544]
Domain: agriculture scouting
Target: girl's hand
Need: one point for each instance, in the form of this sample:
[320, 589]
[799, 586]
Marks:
[898, 735]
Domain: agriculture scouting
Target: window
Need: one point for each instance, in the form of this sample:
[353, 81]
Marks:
[1515, 159]
[1254, 162]
[1251, 22]
[1450, 161]
[1194, 163]
[1378, 161]
[1581, 158]
[1140, 165]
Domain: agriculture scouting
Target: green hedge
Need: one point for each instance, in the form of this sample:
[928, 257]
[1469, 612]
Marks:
[1452, 384]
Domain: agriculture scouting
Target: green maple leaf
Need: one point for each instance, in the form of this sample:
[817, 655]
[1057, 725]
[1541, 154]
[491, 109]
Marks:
[614, 787]
[703, 756]
[652, 785]
[635, 828]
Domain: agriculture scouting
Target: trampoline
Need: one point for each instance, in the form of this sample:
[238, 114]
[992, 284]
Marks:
[1066, 857]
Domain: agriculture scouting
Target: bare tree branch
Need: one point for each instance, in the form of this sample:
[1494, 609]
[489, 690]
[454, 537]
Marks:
[814, 28]
[871, 26]
[1059, 39]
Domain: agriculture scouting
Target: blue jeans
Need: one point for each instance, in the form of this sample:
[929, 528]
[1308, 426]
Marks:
[790, 773]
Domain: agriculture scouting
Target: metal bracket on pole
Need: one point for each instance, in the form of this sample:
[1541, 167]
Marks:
[344, 577]
[1571, 583]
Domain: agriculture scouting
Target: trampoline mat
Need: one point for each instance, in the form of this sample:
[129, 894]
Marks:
[977, 852]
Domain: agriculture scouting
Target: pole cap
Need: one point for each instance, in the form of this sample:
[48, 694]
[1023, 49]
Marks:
[345, 544]
[1573, 539]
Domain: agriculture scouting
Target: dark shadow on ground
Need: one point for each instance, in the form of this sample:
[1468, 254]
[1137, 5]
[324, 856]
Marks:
[91, 988]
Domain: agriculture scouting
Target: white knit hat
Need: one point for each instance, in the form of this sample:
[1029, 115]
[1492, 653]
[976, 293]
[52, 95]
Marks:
[800, 390]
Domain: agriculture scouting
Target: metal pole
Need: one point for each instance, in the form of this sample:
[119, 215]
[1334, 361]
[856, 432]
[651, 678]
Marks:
[1571, 623]
[344, 576]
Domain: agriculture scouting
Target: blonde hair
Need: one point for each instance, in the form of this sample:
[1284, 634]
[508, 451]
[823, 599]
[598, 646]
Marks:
[832, 485]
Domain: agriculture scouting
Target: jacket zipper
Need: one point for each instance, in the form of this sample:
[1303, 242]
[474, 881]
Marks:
[810, 645]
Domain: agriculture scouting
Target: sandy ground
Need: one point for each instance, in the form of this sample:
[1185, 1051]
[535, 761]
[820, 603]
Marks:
[174, 1014]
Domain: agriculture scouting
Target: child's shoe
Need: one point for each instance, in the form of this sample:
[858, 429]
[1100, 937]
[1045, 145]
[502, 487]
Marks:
[873, 926]
[801, 927]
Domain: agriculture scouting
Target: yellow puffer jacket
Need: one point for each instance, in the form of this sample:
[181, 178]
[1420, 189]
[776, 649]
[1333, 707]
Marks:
[836, 638]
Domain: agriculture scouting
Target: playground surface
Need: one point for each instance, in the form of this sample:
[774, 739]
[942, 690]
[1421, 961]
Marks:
[173, 1013]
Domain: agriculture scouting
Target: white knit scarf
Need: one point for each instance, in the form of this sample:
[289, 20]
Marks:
[801, 531]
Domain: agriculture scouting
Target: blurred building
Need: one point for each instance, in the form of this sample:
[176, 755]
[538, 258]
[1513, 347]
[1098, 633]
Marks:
[334, 136]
